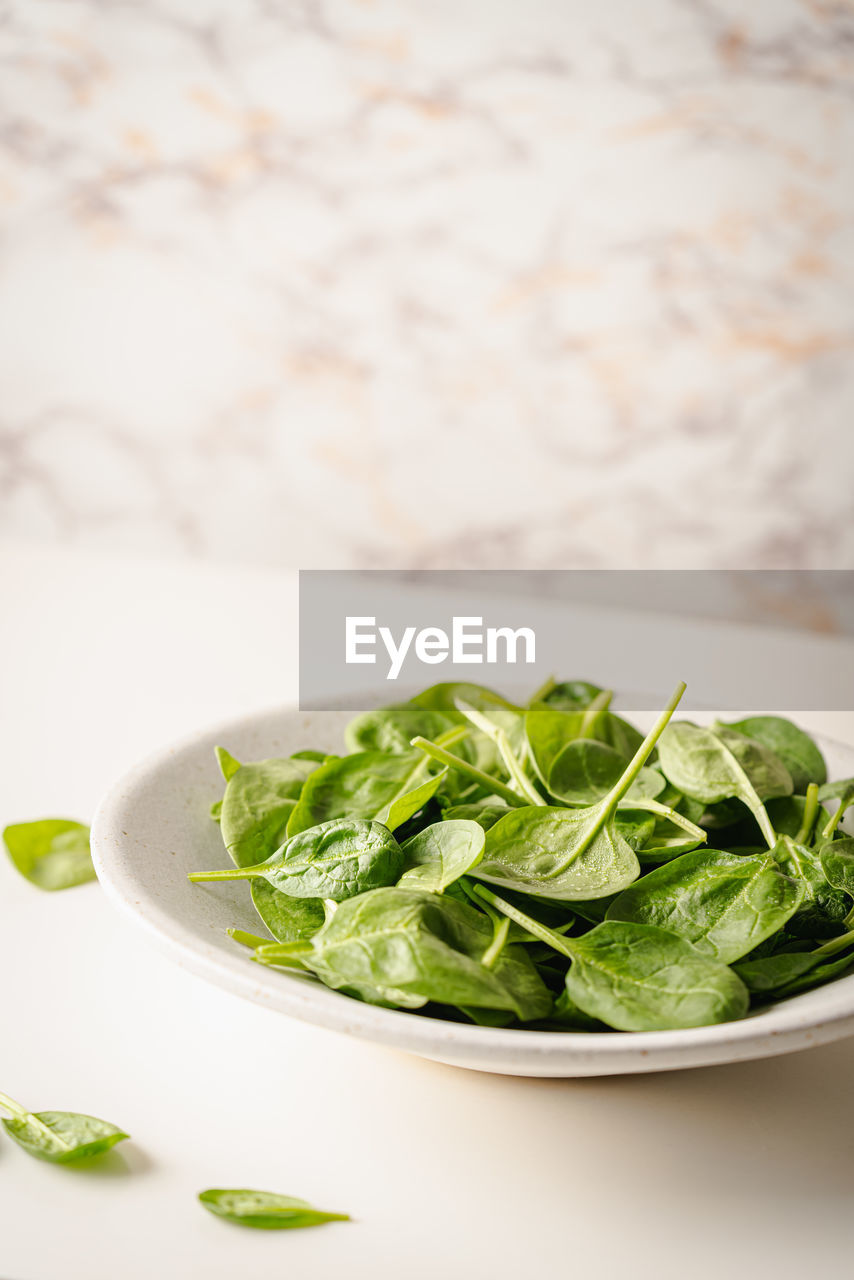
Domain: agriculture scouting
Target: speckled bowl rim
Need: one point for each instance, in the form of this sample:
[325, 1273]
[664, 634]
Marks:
[144, 876]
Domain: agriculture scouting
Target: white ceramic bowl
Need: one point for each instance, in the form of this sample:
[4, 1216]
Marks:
[153, 827]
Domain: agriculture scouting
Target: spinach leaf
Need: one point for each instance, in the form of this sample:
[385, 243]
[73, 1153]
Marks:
[484, 812]
[265, 1209]
[259, 799]
[776, 974]
[52, 853]
[440, 854]
[333, 860]
[837, 863]
[393, 728]
[406, 947]
[571, 695]
[586, 770]
[368, 784]
[713, 765]
[569, 853]
[790, 744]
[638, 977]
[824, 908]
[228, 766]
[287, 918]
[722, 903]
[58, 1136]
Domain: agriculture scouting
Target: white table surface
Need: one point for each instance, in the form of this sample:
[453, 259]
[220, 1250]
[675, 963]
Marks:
[740, 1170]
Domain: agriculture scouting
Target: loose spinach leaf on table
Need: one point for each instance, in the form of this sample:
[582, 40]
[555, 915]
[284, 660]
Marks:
[52, 853]
[59, 1137]
[265, 1209]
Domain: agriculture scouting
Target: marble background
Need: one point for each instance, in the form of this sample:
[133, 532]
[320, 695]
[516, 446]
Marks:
[474, 284]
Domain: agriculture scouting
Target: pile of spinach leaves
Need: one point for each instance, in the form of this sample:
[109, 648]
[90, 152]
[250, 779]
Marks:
[547, 866]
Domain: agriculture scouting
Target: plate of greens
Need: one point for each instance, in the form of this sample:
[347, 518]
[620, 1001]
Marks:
[538, 888]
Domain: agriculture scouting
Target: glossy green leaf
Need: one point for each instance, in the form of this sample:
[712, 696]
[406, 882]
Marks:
[439, 854]
[568, 853]
[714, 765]
[586, 770]
[357, 786]
[722, 903]
[334, 860]
[59, 1137]
[287, 918]
[405, 947]
[791, 745]
[259, 799]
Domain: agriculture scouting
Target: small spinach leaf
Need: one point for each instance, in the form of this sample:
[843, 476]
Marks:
[259, 798]
[52, 853]
[287, 918]
[440, 854]
[790, 744]
[265, 1209]
[714, 765]
[59, 1137]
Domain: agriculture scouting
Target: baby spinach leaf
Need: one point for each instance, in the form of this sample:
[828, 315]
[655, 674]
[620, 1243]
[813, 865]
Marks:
[228, 766]
[58, 1136]
[569, 853]
[837, 863]
[52, 853]
[333, 860]
[441, 853]
[259, 798]
[571, 695]
[714, 765]
[408, 802]
[406, 947]
[484, 812]
[364, 785]
[790, 744]
[824, 907]
[287, 918]
[393, 728]
[638, 977]
[722, 903]
[265, 1209]
[586, 770]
